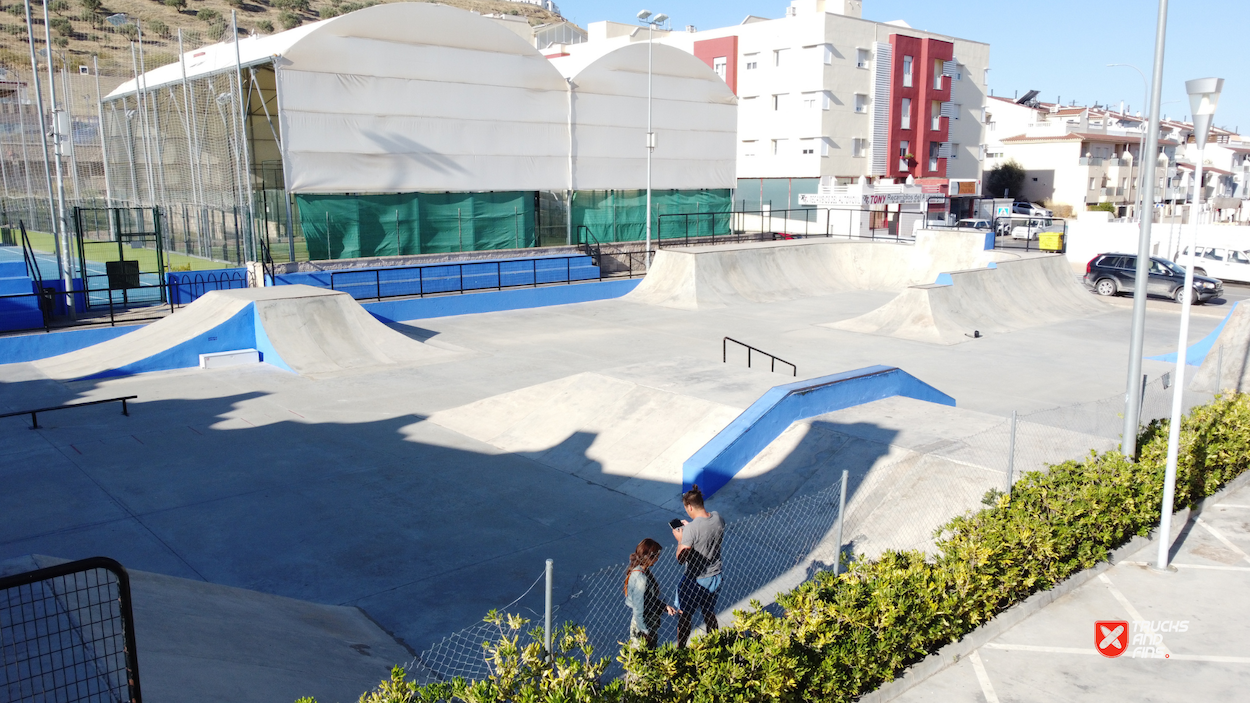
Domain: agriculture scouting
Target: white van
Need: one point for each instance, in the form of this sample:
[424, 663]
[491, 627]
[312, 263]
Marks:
[1224, 263]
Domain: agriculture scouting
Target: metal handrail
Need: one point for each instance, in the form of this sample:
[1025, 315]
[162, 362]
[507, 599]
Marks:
[724, 355]
[421, 292]
[34, 414]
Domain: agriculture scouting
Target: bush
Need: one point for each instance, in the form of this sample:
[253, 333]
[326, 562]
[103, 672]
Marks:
[91, 6]
[208, 15]
[62, 26]
[176, 4]
[60, 7]
[159, 28]
[1101, 207]
[293, 5]
[842, 636]
[289, 20]
[18, 10]
[265, 26]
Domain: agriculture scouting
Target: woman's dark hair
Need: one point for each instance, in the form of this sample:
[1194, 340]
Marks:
[694, 497]
[645, 554]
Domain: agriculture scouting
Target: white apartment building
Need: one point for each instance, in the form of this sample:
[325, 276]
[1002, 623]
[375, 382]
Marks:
[1081, 156]
[828, 96]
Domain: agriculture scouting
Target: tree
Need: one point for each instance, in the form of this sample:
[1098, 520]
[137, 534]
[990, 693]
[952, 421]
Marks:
[289, 19]
[1008, 177]
[176, 4]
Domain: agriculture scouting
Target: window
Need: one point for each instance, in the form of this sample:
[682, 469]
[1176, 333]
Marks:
[826, 51]
[752, 65]
[777, 101]
[935, 111]
[861, 58]
[824, 146]
[861, 102]
[904, 150]
[938, 66]
[986, 116]
[719, 64]
[906, 71]
[1123, 182]
[958, 109]
[905, 114]
[933, 156]
[859, 147]
[807, 147]
[749, 147]
[810, 101]
[778, 147]
[954, 151]
[1091, 184]
[779, 57]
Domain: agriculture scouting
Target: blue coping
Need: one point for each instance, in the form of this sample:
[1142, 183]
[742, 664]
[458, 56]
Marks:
[718, 461]
[1198, 351]
[30, 347]
[944, 279]
[495, 301]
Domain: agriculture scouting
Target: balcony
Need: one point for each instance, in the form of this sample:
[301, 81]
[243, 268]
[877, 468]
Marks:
[1091, 161]
[1111, 192]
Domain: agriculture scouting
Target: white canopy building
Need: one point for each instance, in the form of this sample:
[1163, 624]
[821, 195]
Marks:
[407, 128]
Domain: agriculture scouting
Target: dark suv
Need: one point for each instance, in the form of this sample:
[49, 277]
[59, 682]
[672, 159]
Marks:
[1111, 274]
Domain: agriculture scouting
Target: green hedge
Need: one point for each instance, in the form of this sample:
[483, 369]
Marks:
[839, 637]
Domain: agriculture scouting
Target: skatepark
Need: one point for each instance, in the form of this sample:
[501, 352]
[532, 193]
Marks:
[405, 476]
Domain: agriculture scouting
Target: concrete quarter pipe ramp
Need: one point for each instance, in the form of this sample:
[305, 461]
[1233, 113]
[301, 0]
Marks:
[735, 274]
[298, 328]
[1010, 295]
[1226, 364]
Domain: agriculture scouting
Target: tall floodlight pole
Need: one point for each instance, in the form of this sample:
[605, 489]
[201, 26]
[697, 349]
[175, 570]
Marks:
[60, 122]
[1132, 398]
[1204, 95]
[1141, 140]
[43, 131]
[659, 19]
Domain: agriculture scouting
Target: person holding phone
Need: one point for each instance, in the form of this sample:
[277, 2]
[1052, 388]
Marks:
[642, 594]
[699, 550]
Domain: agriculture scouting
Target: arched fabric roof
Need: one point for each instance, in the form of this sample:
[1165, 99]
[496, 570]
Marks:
[417, 97]
[694, 116]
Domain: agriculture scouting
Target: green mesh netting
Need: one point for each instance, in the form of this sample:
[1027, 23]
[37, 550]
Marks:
[352, 226]
[621, 215]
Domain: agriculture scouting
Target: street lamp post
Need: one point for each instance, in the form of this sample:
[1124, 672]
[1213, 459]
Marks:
[645, 16]
[1204, 95]
[1141, 140]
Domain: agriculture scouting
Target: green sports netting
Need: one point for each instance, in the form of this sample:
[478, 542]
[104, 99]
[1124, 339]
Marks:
[621, 215]
[353, 226]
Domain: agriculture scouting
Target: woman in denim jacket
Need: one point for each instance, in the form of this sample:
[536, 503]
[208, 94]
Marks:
[642, 593]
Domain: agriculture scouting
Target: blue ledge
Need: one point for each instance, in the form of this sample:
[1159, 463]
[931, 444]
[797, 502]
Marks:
[1198, 350]
[495, 301]
[734, 447]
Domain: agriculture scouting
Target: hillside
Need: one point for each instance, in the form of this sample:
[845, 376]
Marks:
[79, 28]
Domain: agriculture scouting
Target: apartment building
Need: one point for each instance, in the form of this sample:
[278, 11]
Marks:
[828, 96]
[1083, 156]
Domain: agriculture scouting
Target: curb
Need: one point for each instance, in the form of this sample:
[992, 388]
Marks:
[952, 653]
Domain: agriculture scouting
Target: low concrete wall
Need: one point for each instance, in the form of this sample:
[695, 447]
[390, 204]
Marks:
[734, 447]
[30, 347]
[496, 301]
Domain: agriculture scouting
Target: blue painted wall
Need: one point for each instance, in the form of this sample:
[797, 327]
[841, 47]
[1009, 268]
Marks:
[1197, 352]
[495, 301]
[718, 461]
[40, 345]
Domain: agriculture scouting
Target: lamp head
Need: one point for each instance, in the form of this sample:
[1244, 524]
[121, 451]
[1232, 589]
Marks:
[1204, 96]
[661, 18]
[643, 15]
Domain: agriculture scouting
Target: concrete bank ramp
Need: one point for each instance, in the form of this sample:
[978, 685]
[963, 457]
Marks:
[1226, 364]
[198, 641]
[1015, 294]
[298, 328]
[615, 432]
[696, 278]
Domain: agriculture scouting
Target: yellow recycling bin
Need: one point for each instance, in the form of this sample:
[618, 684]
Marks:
[1050, 241]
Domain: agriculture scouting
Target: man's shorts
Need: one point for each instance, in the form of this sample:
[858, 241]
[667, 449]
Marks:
[698, 595]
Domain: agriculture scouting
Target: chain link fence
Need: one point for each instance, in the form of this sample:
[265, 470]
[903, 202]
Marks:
[895, 506]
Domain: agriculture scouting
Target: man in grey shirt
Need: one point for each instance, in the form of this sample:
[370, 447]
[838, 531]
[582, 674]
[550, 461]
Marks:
[698, 549]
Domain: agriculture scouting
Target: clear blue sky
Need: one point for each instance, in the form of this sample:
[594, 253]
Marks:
[1060, 47]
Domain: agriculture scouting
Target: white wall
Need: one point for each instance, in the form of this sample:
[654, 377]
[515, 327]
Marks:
[1091, 235]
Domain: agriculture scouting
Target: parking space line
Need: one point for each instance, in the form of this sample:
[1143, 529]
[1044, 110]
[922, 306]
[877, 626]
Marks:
[1211, 567]
[1039, 648]
[1230, 505]
[1212, 658]
[1220, 536]
[1128, 607]
[987, 688]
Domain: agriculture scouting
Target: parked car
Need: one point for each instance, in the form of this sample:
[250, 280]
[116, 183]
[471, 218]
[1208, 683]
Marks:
[1029, 229]
[974, 224]
[1021, 207]
[1112, 274]
[1219, 262]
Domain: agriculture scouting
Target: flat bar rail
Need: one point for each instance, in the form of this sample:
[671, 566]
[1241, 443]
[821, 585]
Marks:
[34, 414]
[724, 355]
[67, 634]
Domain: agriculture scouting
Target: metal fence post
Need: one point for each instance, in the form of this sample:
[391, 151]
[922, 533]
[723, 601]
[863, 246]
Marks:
[837, 564]
[1011, 453]
[547, 616]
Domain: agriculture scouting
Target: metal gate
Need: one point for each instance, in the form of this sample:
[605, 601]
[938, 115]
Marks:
[121, 256]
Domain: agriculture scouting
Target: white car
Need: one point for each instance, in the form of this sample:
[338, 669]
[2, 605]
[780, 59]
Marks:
[1219, 262]
[1033, 228]
[974, 224]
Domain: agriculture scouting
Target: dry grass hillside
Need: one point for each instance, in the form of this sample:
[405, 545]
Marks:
[79, 29]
